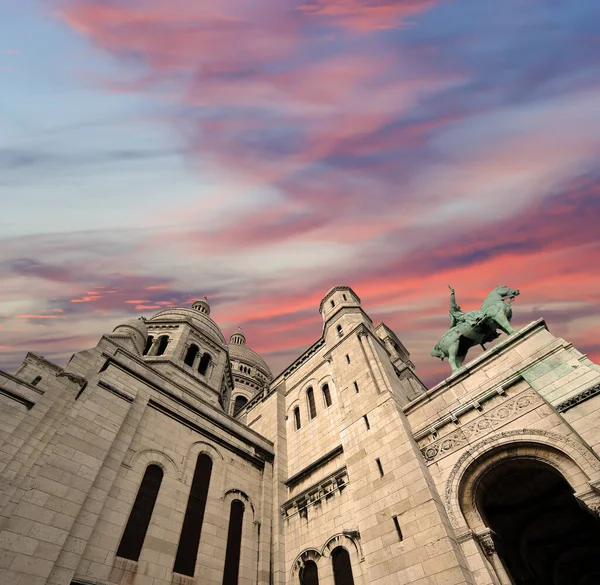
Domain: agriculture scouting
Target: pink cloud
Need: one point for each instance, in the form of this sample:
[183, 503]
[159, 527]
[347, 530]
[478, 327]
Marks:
[39, 317]
[366, 16]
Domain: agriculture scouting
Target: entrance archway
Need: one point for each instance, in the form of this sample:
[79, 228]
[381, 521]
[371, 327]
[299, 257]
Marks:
[541, 533]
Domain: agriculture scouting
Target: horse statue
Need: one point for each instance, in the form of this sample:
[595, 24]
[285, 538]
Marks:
[475, 327]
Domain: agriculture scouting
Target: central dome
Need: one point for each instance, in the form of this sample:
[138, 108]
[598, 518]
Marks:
[196, 317]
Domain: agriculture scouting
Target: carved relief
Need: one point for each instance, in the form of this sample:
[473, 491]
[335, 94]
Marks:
[579, 398]
[482, 425]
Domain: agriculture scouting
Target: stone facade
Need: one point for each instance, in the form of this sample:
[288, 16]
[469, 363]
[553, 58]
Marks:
[346, 467]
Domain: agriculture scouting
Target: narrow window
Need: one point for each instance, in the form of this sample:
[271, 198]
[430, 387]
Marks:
[204, 363]
[366, 419]
[149, 343]
[326, 395]
[342, 568]
[234, 543]
[397, 525]
[345, 298]
[163, 341]
[309, 574]
[187, 549]
[191, 354]
[297, 417]
[347, 358]
[332, 304]
[36, 380]
[378, 461]
[240, 402]
[356, 386]
[340, 331]
[139, 518]
[312, 409]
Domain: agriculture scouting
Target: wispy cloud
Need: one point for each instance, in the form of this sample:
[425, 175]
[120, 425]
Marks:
[396, 145]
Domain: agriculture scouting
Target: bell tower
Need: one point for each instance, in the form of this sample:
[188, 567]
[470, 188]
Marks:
[391, 488]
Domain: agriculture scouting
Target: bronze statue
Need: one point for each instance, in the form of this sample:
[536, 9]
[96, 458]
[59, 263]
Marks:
[475, 327]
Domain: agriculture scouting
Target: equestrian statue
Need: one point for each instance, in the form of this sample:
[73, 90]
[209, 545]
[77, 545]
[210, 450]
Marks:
[475, 327]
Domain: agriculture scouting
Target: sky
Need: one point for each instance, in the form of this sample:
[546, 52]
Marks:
[260, 152]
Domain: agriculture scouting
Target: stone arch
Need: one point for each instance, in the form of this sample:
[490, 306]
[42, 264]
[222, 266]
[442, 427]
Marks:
[194, 450]
[349, 540]
[572, 459]
[327, 379]
[290, 409]
[153, 457]
[235, 494]
[236, 394]
[309, 554]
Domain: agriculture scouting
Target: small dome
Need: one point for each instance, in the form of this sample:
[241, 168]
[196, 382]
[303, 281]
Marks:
[202, 306]
[238, 338]
[136, 329]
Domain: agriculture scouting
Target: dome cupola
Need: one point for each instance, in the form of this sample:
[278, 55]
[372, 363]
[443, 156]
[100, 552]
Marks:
[238, 338]
[202, 306]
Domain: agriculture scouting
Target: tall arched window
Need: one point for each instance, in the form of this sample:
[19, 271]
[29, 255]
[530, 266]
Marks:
[163, 341]
[240, 402]
[189, 540]
[309, 574]
[312, 409]
[234, 543]
[297, 421]
[326, 395]
[36, 380]
[204, 363]
[342, 568]
[139, 518]
[340, 331]
[191, 354]
[149, 343]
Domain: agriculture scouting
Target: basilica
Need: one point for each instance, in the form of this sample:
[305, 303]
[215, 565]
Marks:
[169, 455]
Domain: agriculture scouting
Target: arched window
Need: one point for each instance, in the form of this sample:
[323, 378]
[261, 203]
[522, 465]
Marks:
[326, 395]
[309, 574]
[297, 418]
[240, 402]
[36, 380]
[149, 343]
[204, 363]
[312, 409]
[340, 331]
[139, 518]
[163, 341]
[191, 354]
[187, 549]
[342, 568]
[234, 543]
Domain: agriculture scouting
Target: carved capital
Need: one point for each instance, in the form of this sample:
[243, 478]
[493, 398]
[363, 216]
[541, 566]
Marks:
[486, 542]
[589, 501]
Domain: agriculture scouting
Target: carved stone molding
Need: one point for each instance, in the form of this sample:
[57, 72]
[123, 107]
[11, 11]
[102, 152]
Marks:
[579, 398]
[79, 380]
[482, 425]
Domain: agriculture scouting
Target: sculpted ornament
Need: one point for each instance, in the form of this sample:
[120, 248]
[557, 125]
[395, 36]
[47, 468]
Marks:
[475, 327]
